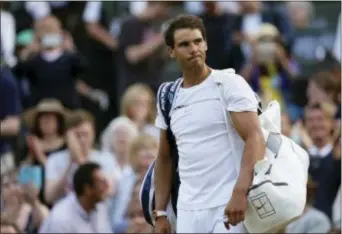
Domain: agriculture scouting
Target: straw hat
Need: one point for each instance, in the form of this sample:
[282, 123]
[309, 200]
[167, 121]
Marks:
[46, 106]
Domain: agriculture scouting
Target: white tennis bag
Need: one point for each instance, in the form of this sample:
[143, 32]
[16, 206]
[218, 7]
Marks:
[278, 192]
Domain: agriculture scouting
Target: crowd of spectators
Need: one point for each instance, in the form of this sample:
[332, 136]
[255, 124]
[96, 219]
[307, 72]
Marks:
[78, 86]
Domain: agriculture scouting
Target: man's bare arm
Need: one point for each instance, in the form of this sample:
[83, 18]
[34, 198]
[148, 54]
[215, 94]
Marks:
[137, 53]
[248, 126]
[163, 173]
[10, 126]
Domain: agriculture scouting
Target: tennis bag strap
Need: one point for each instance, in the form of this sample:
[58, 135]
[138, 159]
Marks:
[166, 96]
[167, 99]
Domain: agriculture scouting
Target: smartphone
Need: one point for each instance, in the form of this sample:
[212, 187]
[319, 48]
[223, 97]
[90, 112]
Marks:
[31, 174]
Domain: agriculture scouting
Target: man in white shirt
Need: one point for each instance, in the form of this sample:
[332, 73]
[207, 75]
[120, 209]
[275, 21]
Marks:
[82, 211]
[61, 166]
[214, 180]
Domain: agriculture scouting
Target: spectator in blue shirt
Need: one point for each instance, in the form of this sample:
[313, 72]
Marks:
[10, 109]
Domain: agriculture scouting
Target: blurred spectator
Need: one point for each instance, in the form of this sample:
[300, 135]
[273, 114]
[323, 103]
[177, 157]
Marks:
[54, 72]
[138, 104]
[329, 179]
[311, 35]
[47, 128]
[141, 48]
[322, 87]
[144, 150]
[83, 211]
[10, 109]
[270, 69]
[312, 220]
[218, 25]
[286, 126]
[100, 50]
[117, 141]
[247, 25]
[8, 227]
[61, 166]
[21, 205]
[337, 211]
[7, 36]
[197, 7]
[136, 220]
[337, 44]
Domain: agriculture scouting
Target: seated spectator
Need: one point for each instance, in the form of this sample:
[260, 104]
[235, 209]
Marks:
[136, 220]
[22, 206]
[10, 109]
[82, 211]
[312, 220]
[144, 150]
[329, 180]
[47, 135]
[8, 227]
[322, 87]
[61, 166]
[318, 123]
[138, 104]
[270, 69]
[54, 72]
[117, 141]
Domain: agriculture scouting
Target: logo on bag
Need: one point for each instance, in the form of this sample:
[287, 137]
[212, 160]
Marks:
[263, 205]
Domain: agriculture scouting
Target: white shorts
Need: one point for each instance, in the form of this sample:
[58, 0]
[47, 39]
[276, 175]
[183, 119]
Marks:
[205, 221]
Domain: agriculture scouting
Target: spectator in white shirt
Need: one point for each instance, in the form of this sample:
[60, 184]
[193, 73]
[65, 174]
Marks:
[117, 140]
[7, 37]
[82, 211]
[60, 166]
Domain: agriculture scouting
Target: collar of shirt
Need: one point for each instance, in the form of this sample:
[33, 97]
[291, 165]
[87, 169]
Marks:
[80, 210]
[314, 151]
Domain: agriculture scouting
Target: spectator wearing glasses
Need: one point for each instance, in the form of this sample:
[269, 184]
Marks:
[82, 211]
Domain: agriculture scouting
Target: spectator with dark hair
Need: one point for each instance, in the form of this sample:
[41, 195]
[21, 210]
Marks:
[47, 135]
[83, 211]
[61, 166]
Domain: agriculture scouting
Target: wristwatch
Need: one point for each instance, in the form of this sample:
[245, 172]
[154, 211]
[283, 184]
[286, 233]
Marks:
[159, 213]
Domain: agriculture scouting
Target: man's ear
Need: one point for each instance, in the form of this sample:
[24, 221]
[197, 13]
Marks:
[171, 52]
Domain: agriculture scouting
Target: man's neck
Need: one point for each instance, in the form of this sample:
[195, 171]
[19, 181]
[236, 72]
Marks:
[195, 76]
[321, 143]
[86, 204]
[122, 160]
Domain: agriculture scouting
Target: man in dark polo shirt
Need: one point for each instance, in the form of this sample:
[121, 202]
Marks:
[10, 109]
[141, 57]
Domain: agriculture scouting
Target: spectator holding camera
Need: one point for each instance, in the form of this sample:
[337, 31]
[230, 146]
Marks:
[270, 69]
